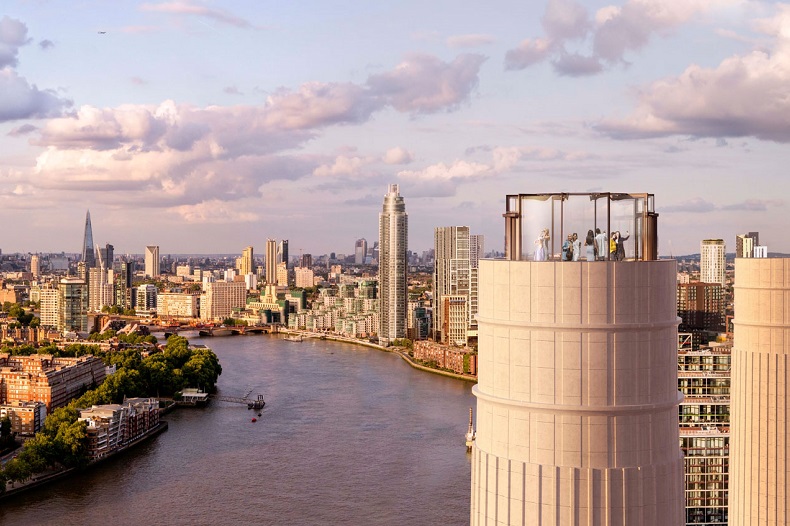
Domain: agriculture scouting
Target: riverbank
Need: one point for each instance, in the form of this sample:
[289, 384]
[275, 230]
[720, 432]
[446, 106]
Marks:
[397, 350]
[51, 475]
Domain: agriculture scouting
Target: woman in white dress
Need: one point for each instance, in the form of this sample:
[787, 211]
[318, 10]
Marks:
[541, 245]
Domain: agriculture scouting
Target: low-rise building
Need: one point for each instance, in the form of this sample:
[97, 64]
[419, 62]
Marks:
[26, 417]
[458, 360]
[113, 426]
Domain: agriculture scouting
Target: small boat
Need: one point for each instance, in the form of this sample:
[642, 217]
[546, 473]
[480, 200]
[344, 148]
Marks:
[254, 419]
[294, 338]
[259, 414]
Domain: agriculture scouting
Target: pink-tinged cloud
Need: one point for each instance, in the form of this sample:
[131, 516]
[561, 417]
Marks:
[469, 41]
[615, 30]
[317, 104]
[215, 212]
[343, 166]
[746, 95]
[20, 100]
[398, 155]
[426, 84]
[189, 8]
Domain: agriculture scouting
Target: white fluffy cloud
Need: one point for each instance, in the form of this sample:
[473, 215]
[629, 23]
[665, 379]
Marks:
[746, 95]
[398, 155]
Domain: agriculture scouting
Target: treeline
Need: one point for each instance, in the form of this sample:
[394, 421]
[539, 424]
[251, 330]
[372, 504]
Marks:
[63, 441]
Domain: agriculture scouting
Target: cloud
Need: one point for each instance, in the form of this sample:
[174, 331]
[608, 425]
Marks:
[575, 65]
[188, 8]
[470, 40]
[22, 130]
[180, 155]
[232, 90]
[398, 155]
[696, 205]
[426, 84]
[46, 44]
[138, 81]
[343, 166]
[20, 100]
[745, 95]
[13, 35]
[457, 170]
[754, 205]
[613, 32]
[214, 212]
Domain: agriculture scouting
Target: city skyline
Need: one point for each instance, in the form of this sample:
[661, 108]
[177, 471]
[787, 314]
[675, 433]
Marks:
[173, 121]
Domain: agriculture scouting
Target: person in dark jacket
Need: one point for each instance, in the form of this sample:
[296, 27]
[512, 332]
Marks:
[621, 245]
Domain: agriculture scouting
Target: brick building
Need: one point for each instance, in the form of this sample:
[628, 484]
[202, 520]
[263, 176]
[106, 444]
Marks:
[113, 426]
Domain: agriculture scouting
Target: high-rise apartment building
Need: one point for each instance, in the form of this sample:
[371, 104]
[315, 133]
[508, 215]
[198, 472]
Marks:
[246, 265]
[712, 263]
[476, 249]
[219, 298]
[393, 245]
[152, 261]
[704, 380]
[745, 243]
[88, 255]
[271, 262]
[282, 274]
[72, 305]
[306, 261]
[100, 290]
[360, 251]
[123, 276]
[577, 397]
[282, 253]
[759, 443]
[48, 295]
[35, 269]
[146, 298]
[304, 277]
[451, 275]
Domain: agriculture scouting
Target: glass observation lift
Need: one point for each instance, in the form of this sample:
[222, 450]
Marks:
[536, 225]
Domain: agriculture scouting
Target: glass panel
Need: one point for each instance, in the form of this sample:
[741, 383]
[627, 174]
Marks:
[536, 228]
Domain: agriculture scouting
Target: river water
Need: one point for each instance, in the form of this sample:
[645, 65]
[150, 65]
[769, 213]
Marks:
[349, 435]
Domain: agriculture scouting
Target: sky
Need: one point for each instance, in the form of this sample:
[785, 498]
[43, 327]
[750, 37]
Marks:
[204, 127]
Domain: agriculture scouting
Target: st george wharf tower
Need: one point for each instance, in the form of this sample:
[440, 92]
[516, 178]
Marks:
[393, 245]
[577, 397]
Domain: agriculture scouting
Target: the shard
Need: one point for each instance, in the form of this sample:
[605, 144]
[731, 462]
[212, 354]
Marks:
[88, 254]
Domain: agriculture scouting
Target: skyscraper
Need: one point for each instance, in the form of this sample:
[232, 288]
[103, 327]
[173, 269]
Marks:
[577, 398]
[88, 254]
[282, 253]
[712, 264]
[360, 251]
[152, 261]
[393, 245]
[451, 275]
[759, 443]
[72, 305]
[246, 265]
[35, 269]
[271, 262]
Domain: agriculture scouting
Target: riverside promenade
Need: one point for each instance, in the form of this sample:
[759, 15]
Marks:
[396, 350]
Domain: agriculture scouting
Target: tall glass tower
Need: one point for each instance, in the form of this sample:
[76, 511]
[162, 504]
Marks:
[88, 254]
[393, 241]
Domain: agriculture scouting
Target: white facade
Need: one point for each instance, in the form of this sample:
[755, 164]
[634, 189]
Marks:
[304, 277]
[49, 306]
[152, 261]
[577, 399]
[393, 246]
[220, 298]
[759, 442]
[146, 298]
[176, 304]
[761, 251]
[712, 264]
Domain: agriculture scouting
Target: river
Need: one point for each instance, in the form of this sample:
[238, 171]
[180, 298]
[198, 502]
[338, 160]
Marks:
[349, 435]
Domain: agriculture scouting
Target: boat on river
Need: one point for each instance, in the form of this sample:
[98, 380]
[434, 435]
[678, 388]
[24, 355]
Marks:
[293, 338]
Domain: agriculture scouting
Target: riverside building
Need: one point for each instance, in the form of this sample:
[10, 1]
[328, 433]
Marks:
[393, 266]
[577, 398]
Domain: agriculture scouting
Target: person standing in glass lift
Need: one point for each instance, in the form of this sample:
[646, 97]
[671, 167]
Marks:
[577, 247]
[601, 242]
[621, 245]
[542, 246]
[589, 246]
[613, 246]
[567, 248]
